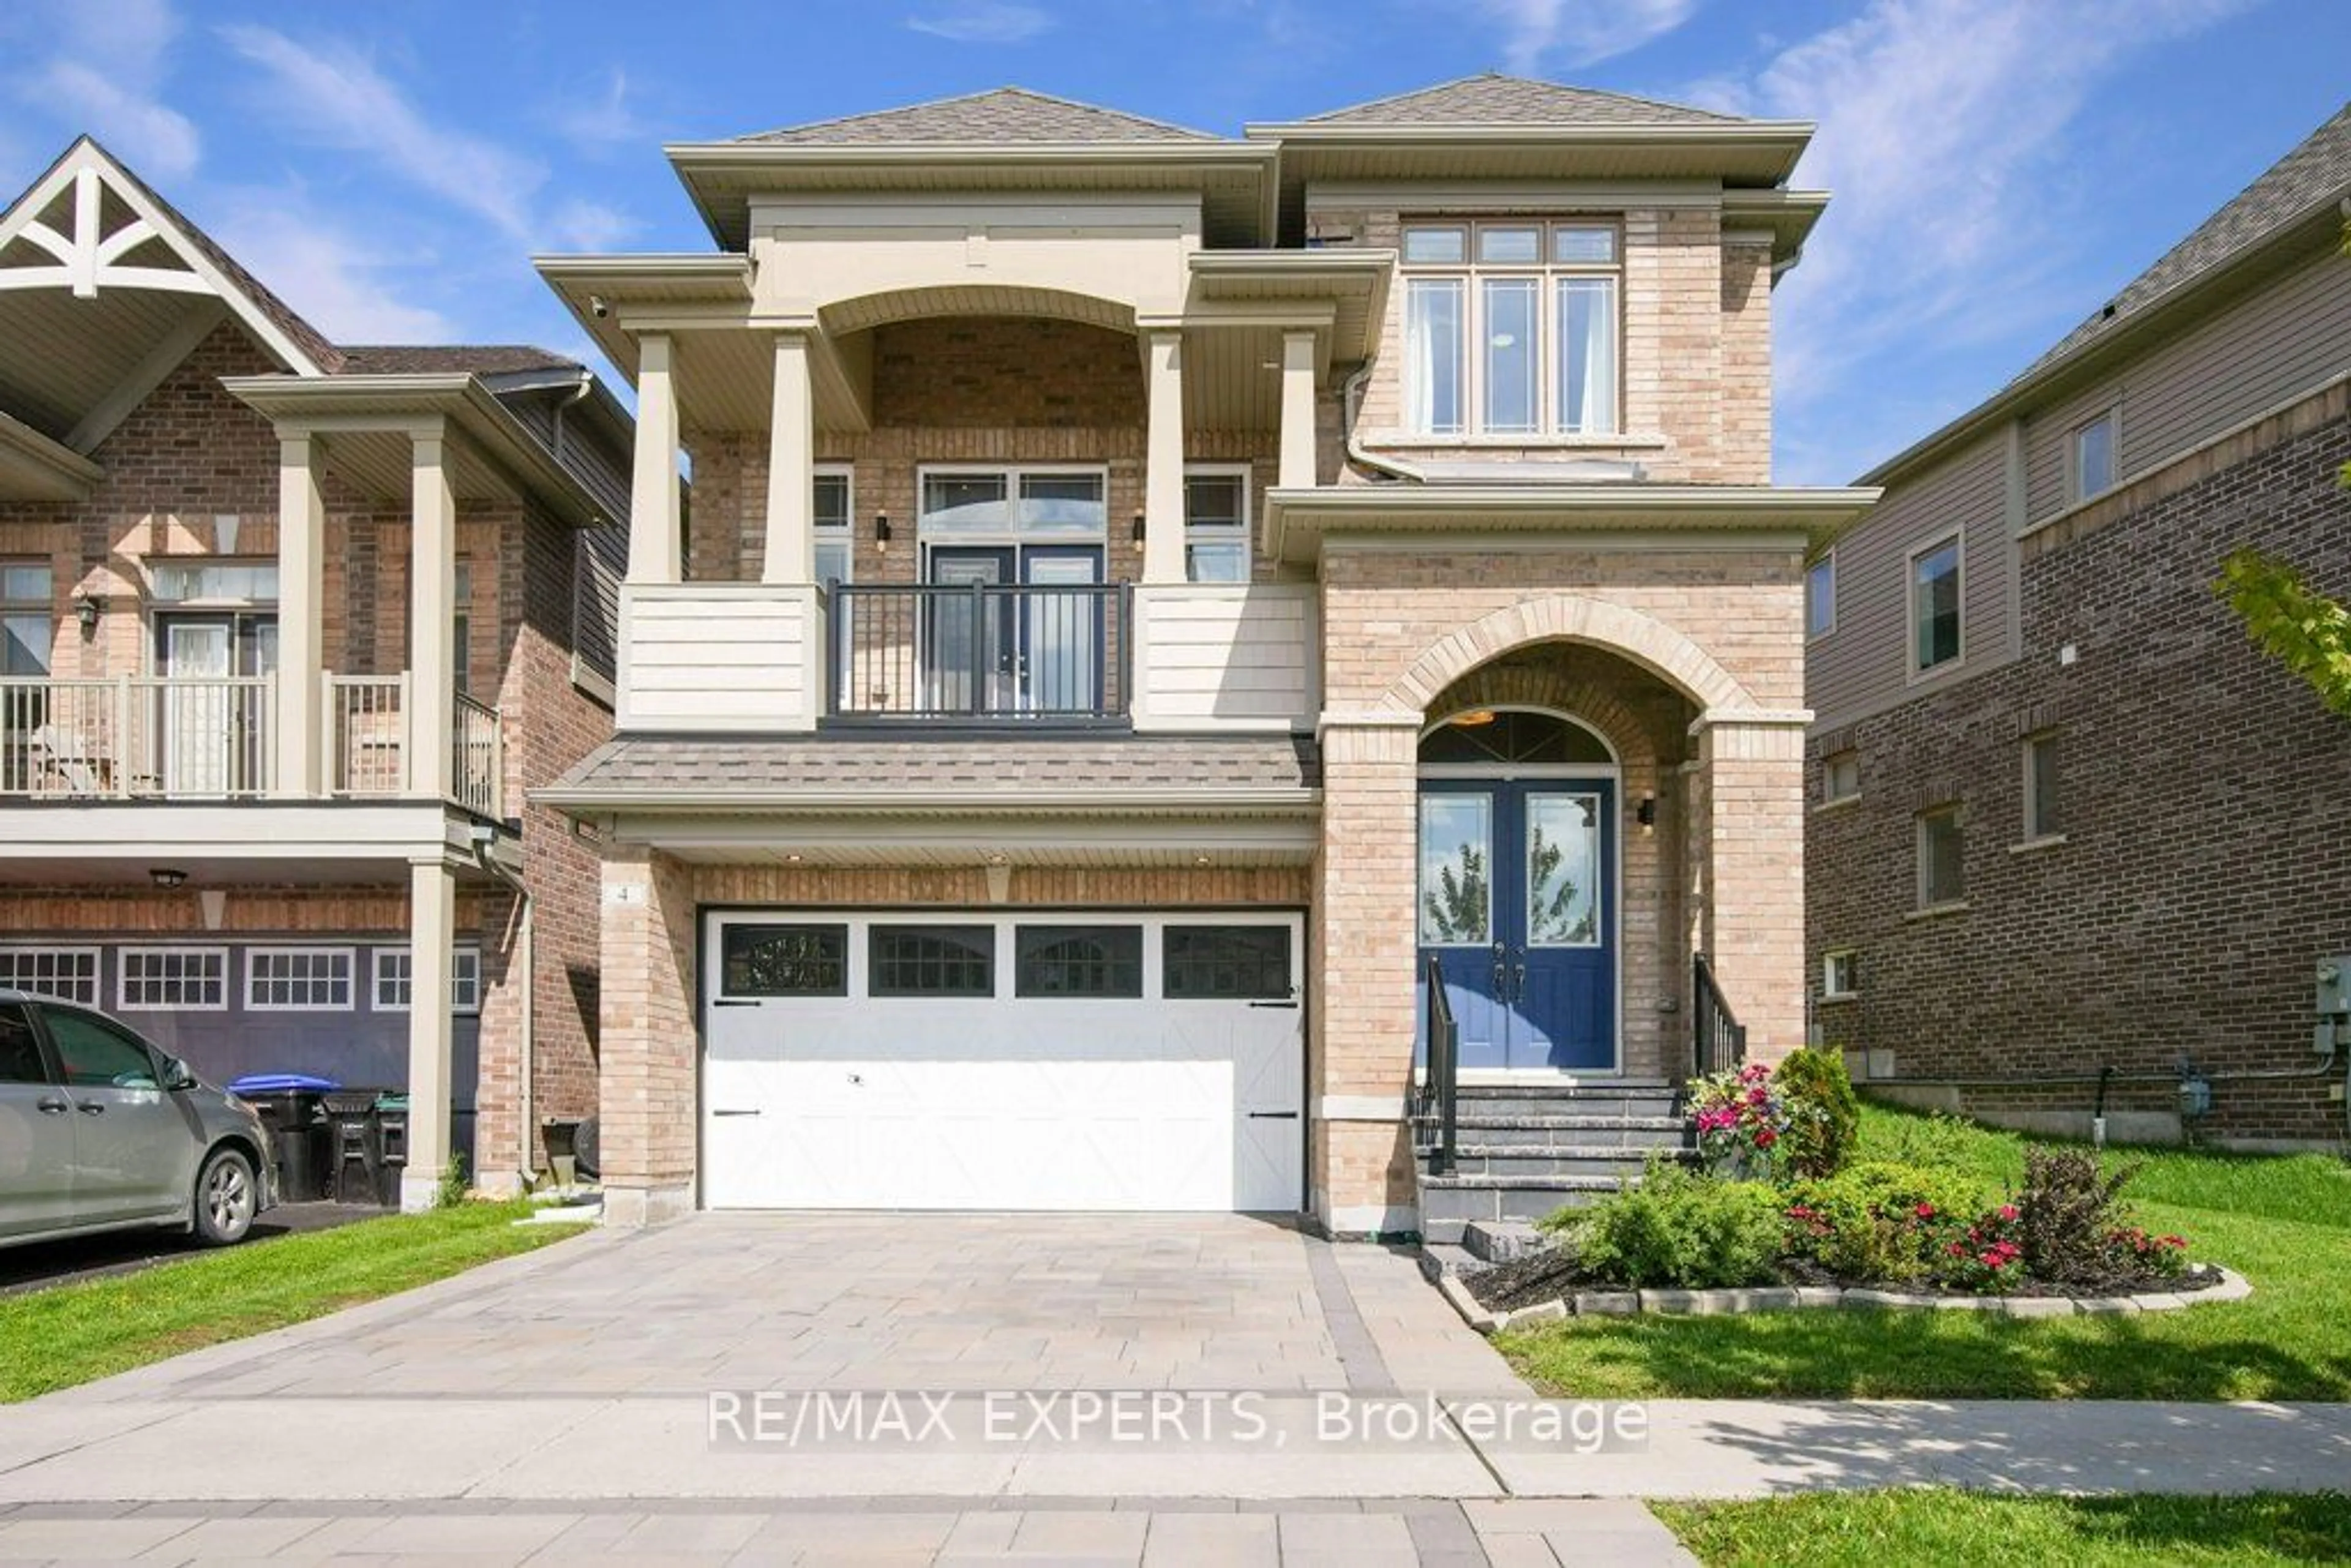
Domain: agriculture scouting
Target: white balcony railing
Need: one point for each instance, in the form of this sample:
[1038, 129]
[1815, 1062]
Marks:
[143, 736]
[170, 737]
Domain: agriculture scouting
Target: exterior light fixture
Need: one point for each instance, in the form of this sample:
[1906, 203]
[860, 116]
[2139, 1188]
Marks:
[1645, 814]
[1473, 719]
[88, 608]
[166, 878]
[1138, 528]
[882, 532]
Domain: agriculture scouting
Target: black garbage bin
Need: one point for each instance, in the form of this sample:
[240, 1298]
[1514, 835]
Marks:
[293, 1107]
[391, 1147]
[355, 1146]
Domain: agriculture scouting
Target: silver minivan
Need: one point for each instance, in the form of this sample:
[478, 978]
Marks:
[101, 1131]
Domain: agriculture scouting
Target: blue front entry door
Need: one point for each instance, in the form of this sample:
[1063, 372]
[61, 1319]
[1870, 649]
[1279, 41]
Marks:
[1517, 905]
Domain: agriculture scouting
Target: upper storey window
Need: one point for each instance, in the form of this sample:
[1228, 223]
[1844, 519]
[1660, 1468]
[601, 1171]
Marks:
[1511, 329]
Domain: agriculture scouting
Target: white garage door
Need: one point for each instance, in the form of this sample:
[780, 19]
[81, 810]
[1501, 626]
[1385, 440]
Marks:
[979, 1060]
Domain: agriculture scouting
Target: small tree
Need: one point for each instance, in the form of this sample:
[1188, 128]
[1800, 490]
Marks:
[2303, 630]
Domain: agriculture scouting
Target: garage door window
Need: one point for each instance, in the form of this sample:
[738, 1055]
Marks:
[1227, 963]
[1079, 961]
[786, 961]
[933, 961]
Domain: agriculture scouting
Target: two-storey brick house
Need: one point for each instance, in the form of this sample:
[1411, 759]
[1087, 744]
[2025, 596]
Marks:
[2076, 844]
[291, 629]
[1151, 594]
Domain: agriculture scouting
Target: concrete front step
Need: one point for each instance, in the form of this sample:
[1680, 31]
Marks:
[1520, 1159]
[1449, 1203]
[1644, 1103]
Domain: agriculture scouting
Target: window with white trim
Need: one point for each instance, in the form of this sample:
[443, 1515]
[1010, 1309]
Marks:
[1820, 596]
[189, 980]
[833, 508]
[27, 618]
[461, 629]
[1215, 524]
[1511, 327]
[395, 979]
[1935, 605]
[298, 980]
[2092, 456]
[70, 974]
[1839, 972]
[214, 580]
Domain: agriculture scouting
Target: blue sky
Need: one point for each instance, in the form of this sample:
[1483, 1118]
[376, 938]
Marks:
[2000, 166]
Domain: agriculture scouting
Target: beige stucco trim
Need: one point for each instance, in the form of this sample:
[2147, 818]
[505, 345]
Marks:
[1296, 521]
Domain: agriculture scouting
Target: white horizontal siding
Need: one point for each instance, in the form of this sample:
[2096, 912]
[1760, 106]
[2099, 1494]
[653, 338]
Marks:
[718, 656]
[1209, 656]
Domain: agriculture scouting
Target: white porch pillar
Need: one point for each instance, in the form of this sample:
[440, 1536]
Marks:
[1297, 470]
[1163, 474]
[432, 934]
[654, 492]
[791, 467]
[432, 593]
[302, 617]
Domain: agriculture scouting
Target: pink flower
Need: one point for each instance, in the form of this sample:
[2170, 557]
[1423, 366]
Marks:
[2009, 1211]
[1925, 1212]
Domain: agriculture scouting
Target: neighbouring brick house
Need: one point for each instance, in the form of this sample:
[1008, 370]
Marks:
[2068, 822]
[1151, 594]
[251, 756]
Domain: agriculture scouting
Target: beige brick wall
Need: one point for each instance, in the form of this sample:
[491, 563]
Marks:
[646, 1082]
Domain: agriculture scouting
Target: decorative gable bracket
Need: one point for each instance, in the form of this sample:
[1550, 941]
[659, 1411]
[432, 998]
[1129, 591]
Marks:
[91, 258]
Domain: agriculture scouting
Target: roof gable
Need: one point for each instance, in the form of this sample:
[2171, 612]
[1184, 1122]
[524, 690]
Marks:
[2316, 174]
[1005, 114]
[90, 224]
[1504, 100]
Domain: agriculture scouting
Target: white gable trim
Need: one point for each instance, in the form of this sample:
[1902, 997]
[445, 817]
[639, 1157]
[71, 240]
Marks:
[88, 260]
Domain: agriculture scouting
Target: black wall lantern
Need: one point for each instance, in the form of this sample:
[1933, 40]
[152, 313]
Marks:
[1138, 528]
[882, 532]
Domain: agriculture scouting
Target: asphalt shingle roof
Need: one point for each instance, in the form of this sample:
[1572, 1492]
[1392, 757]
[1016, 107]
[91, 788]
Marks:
[1503, 101]
[431, 358]
[1007, 114]
[992, 770]
[2316, 172]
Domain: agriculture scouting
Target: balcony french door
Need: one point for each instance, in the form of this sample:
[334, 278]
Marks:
[214, 731]
[1002, 650]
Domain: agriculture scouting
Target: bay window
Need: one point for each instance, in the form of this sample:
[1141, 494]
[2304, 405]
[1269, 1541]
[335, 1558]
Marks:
[1540, 304]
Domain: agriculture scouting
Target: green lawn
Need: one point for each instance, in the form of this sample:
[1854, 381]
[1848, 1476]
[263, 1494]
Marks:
[1956, 1530]
[2285, 1224]
[54, 1339]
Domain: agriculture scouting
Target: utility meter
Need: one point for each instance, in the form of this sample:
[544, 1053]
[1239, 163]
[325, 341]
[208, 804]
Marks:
[2334, 1028]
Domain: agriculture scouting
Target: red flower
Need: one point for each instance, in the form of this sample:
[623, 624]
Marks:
[1925, 1212]
[2009, 1211]
[1765, 1138]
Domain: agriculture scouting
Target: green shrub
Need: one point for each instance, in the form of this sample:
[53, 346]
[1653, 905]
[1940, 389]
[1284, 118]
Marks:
[1824, 1112]
[1679, 1230]
[1940, 1140]
[1880, 1221]
[2074, 1219]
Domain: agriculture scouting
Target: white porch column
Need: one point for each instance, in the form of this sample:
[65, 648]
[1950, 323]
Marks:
[302, 617]
[653, 491]
[431, 934]
[1163, 474]
[432, 593]
[1297, 470]
[791, 467]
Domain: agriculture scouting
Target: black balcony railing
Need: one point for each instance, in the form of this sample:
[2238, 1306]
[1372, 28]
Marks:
[1033, 654]
[1719, 1038]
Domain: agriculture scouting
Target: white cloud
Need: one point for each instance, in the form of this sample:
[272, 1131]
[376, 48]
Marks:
[588, 225]
[342, 284]
[603, 118]
[983, 21]
[340, 98]
[1943, 130]
[1579, 32]
[107, 77]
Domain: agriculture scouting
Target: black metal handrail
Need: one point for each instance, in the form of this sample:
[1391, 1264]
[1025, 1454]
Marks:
[990, 652]
[1440, 1090]
[1720, 1040]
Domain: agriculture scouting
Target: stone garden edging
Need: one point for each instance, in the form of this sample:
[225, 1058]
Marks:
[2233, 1287]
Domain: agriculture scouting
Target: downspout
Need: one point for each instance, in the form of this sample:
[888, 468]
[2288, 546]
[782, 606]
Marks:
[587, 384]
[1351, 390]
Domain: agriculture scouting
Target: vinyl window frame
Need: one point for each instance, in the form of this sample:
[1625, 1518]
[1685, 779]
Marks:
[11, 954]
[1235, 533]
[24, 608]
[2038, 829]
[1830, 794]
[465, 979]
[1548, 275]
[2077, 488]
[1957, 540]
[1929, 896]
[1833, 962]
[842, 533]
[123, 979]
[1815, 627]
[254, 979]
